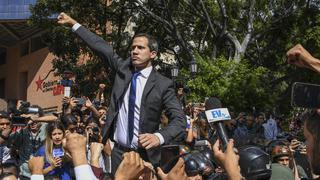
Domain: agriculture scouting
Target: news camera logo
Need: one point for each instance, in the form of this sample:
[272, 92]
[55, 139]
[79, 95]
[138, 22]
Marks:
[220, 114]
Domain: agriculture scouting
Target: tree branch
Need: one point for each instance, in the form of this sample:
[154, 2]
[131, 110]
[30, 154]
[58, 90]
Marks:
[207, 17]
[170, 27]
[223, 12]
[248, 36]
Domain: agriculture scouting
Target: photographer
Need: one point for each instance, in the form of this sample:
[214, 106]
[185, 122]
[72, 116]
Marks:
[28, 140]
[5, 150]
[8, 162]
[282, 154]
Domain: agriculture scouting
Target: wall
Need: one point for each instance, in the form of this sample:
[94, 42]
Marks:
[34, 65]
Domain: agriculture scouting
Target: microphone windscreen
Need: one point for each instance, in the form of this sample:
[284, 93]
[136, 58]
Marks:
[213, 103]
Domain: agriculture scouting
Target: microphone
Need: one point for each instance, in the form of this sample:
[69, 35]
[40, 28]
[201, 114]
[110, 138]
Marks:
[215, 115]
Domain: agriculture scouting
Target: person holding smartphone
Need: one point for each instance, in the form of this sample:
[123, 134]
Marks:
[56, 163]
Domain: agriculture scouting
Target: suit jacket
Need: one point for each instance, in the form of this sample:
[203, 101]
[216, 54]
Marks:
[158, 95]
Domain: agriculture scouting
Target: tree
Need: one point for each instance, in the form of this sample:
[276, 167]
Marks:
[242, 43]
[238, 85]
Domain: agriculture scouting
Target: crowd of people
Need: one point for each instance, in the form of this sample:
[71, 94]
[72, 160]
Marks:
[144, 131]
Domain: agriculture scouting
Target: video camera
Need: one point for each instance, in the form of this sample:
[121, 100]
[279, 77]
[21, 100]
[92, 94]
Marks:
[25, 108]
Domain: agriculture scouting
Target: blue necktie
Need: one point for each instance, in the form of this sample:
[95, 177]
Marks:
[132, 103]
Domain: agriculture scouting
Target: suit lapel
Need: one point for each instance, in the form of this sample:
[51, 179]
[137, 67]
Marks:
[125, 76]
[149, 85]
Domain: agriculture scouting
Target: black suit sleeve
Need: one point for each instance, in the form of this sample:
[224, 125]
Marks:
[100, 47]
[177, 119]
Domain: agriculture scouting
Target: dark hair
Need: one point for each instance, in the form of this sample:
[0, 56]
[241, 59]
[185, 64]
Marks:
[52, 126]
[152, 42]
[103, 108]
[69, 119]
[312, 124]
[8, 169]
[91, 120]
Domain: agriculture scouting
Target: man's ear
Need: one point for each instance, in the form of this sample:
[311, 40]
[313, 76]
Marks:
[153, 54]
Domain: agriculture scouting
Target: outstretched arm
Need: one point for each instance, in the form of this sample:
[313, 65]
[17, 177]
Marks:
[302, 58]
[96, 43]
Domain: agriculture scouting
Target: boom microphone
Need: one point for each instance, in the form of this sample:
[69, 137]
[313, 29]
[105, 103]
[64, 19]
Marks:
[215, 115]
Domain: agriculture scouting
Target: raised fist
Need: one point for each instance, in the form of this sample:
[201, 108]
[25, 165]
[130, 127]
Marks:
[63, 18]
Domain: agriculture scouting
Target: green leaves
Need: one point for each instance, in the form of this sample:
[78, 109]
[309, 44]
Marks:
[262, 78]
[237, 84]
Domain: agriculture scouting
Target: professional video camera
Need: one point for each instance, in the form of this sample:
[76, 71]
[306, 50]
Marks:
[25, 108]
[196, 162]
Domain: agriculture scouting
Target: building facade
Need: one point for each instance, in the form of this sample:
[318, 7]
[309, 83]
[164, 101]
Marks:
[25, 62]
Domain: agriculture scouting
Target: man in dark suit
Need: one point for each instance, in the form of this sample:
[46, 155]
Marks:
[139, 95]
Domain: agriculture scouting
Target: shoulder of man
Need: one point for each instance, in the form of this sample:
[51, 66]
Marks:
[162, 78]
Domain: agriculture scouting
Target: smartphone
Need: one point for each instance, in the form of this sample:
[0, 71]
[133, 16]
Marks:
[305, 95]
[58, 152]
[80, 101]
[67, 91]
[169, 157]
[201, 143]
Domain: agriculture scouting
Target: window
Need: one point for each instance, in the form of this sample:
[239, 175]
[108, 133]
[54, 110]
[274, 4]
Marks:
[24, 48]
[3, 56]
[37, 43]
[2, 88]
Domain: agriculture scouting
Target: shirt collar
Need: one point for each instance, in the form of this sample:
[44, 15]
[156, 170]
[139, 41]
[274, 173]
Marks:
[146, 72]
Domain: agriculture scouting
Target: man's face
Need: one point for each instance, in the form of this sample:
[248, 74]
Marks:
[102, 112]
[312, 156]
[250, 121]
[231, 125]
[141, 55]
[284, 160]
[4, 123]
[260, 119]
[34, 126]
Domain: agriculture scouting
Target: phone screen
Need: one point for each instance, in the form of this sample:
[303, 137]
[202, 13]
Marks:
[67, 91]
[57, 152]
[168, 154]
[305, 95]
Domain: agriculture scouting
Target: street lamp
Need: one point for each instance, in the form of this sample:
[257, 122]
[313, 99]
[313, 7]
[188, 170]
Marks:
[174, 71]
[193, 67]
[174, 74]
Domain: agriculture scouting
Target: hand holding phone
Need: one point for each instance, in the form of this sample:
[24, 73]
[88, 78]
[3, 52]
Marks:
[57, 153]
